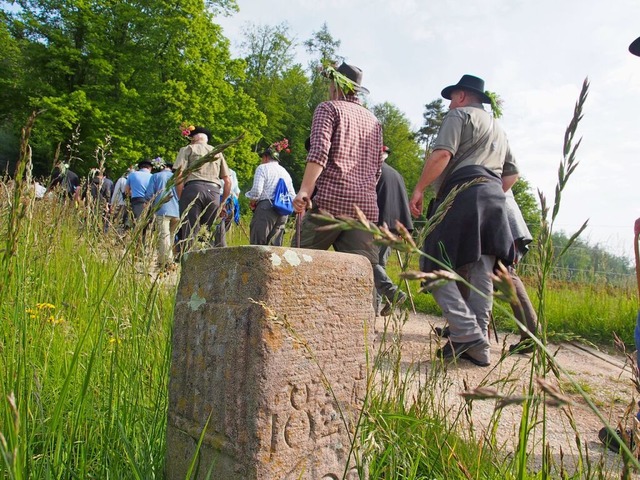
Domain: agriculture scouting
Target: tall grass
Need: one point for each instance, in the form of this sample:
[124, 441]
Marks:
[84, 351]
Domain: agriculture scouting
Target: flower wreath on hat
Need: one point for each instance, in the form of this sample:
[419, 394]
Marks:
[157, 163]
[275, 148]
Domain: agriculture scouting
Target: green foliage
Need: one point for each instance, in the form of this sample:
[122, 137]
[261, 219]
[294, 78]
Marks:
[281, 90]
[133, 70]
[528, 205]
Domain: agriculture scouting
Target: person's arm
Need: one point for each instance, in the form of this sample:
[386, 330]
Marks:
[258, 184]
[434, 165]
[311, 173]
[179, 185]
[151, 190]
[508, 181]
[226, 189]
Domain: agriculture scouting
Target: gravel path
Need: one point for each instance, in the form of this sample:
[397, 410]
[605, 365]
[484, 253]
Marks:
[604, 377]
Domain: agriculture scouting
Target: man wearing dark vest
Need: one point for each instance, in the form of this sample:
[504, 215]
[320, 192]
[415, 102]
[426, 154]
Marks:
[474, 233]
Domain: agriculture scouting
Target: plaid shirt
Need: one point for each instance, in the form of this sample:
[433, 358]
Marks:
[346, 139]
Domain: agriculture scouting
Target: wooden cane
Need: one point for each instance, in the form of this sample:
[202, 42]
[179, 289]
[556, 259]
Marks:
[299, 216]
[406, 283]
[493, 325]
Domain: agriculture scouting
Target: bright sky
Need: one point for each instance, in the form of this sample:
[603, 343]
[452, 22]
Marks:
[534, 54]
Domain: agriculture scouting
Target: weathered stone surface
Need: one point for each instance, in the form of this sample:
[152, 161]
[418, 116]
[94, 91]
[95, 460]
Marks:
[259, 334]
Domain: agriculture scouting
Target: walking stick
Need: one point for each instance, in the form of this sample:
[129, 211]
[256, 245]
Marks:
[298, 228]
[492, 321]
[406, 283]
[299, 215]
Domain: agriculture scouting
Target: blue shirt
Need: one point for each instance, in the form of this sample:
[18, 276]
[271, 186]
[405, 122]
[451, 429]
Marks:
[137, 182]
[157, 190]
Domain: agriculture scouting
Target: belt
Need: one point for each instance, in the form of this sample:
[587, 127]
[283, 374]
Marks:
[202, 181]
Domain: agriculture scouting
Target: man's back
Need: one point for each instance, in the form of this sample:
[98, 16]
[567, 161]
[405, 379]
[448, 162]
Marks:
[346, 139]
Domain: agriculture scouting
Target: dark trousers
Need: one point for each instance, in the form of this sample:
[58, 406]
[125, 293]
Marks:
[267, 225]
[201, 201]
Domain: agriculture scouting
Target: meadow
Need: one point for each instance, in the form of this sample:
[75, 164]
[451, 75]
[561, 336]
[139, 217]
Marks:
[85, 350]
[86, 346]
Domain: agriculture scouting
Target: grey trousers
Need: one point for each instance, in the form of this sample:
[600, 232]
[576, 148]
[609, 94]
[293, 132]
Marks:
[384, 286]
[267, 226]
[467, 311]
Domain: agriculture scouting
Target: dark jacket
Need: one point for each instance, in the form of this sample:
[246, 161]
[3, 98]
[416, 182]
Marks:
[393, 203]
[477, 223]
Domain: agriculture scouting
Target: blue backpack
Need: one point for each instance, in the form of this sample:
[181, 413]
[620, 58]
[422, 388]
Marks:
[282, 201]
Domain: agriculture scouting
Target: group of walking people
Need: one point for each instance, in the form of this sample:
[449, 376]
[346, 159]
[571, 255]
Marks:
[345, 175]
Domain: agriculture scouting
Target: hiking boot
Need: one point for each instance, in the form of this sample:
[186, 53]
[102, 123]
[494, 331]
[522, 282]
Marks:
[400, 298]
[443, 332]
[612, 443]
[456, 349]
[522, 347]
[476, 361]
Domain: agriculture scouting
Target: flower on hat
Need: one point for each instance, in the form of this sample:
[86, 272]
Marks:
[157, 163]
[280, 146]
[186, 129]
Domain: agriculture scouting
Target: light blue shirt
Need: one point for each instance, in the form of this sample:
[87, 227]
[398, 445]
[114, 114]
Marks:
[138, 182]
[156, 190]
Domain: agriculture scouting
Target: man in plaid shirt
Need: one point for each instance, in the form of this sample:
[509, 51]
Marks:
[343, 166]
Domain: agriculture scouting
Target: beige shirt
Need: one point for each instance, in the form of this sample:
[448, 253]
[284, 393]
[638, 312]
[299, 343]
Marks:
[461, 130]
[212, 171]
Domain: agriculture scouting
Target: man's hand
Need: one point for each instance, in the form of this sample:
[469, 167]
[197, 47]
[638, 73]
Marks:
[253, 204]
[415, 204]
[301, 202]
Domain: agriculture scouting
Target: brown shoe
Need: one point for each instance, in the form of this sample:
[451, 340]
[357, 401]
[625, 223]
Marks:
[401, 297]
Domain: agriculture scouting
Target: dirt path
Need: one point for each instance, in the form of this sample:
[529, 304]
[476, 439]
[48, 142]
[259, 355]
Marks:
[604, 377]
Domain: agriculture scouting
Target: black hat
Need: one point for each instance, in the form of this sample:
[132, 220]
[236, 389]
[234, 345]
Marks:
[354, 74]
[145, 164]
[270, 152]
[635, 47]
[469, 83]
[197, 130]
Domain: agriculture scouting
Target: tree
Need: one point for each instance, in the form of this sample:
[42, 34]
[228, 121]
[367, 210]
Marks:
[406, 156]
[324, 48]
[281, 90]
[526, 200]
[433, 115]
[134, 70]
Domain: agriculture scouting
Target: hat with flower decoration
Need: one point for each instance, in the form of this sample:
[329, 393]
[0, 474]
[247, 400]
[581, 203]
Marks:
[274, 149]
[190, 131]
[158, 163]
